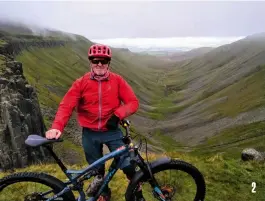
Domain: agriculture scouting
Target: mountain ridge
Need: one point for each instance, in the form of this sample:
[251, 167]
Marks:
[206, 102]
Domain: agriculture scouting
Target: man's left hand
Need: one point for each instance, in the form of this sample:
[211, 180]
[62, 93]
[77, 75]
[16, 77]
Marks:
[113, 122]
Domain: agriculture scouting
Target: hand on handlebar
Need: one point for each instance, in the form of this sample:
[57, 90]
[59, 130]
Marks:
[125, 123]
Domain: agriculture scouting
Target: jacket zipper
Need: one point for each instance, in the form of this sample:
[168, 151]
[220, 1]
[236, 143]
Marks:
[99, 105]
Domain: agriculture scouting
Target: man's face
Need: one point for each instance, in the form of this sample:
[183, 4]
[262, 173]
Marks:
[99, 65]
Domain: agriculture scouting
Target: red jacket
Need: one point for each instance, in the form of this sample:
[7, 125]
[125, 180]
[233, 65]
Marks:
[96, 101]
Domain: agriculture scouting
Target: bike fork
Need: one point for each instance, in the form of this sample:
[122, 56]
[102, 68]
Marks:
[147, 170]
[157, 191]
[159, 194]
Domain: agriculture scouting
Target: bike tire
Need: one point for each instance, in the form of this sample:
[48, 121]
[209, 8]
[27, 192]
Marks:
[169, 164]
[41, 178]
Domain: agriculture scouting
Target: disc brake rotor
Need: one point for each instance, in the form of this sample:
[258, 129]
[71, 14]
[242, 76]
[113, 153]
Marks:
[168, 191]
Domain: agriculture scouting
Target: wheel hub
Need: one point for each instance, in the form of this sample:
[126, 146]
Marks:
[34, 197]
[168, 192]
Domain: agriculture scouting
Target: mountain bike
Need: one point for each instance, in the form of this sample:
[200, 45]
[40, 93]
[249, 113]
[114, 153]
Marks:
[146, 173]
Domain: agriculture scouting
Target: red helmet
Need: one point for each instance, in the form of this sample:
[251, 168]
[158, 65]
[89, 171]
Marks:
[98, 50]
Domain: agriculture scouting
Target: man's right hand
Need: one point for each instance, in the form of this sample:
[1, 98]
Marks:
[53, 134]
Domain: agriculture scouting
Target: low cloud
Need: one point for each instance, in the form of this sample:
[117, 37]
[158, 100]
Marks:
[176, 42]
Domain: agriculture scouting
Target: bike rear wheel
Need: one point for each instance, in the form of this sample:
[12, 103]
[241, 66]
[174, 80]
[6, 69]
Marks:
[193, 185]
[30, 186]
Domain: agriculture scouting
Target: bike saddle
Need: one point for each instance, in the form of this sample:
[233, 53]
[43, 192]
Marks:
[37, 140]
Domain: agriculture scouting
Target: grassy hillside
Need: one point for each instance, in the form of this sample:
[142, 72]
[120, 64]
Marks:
[14, 27]
[203, 76]
[196, 52]
[246, 94]
[219, 90]
[231, 141]
[225, 179]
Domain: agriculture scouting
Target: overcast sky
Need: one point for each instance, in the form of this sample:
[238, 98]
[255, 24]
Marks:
[130, 19]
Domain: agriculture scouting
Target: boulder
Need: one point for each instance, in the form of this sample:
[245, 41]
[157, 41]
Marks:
[252, 154]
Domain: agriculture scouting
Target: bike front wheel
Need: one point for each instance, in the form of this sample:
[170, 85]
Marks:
[31, 186]
[178, 180]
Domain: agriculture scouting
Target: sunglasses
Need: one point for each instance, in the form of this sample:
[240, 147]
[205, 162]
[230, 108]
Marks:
[105, 61]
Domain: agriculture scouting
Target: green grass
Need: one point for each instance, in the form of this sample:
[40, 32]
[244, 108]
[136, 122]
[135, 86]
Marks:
[225, 179]
[165, 106]
[242, 96]
[166, 142]
[2, 42]
[233, 140]
[69, 152]
[2, 59]
[2, 64]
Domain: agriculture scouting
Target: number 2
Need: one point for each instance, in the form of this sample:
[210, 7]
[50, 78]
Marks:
[253, 187]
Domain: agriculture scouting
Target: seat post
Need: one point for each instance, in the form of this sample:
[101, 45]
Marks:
[49, 147]
[59, 162]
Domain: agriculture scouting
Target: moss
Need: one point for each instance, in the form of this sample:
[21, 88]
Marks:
[2, 63]
[2, 43]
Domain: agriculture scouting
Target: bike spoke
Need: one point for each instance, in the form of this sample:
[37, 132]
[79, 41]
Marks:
[23, 191]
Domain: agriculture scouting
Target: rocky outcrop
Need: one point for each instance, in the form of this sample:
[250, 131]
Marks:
[252, 154]
[20, 116]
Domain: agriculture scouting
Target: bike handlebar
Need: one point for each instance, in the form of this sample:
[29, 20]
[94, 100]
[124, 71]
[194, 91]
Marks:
[126, 124]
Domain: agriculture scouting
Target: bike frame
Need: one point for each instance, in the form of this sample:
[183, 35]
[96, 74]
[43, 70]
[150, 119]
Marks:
[86, 173]
[76, 177]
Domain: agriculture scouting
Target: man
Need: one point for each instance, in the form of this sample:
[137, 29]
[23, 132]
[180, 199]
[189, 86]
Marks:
[98, 96]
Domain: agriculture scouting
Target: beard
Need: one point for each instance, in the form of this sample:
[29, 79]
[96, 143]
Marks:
[100, 71]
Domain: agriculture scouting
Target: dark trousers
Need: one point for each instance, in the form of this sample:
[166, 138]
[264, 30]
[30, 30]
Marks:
[93, 147]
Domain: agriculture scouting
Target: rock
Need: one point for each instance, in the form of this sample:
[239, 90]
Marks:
[20, 113]
[252, 154]
[3, 80]
[15, 67]
[20, 116]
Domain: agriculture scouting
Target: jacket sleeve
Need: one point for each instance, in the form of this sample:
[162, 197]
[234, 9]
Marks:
[128, 97]
[66, 106]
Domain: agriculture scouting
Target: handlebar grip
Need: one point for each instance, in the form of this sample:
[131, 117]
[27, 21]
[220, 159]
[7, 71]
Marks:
[125, 123]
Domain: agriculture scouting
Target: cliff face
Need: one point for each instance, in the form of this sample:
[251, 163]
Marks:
[20, 116]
